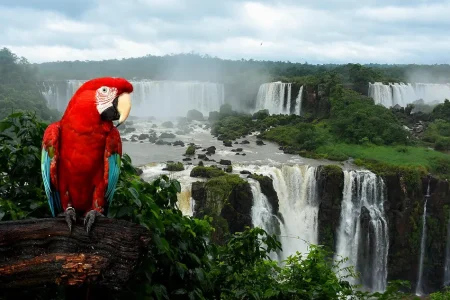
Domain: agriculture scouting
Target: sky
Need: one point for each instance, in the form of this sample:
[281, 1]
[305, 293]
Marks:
[313, 31]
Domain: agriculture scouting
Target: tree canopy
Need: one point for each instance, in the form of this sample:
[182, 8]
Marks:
[18, 87]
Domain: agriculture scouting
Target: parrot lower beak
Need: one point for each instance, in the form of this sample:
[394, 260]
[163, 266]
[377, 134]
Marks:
[123, 107]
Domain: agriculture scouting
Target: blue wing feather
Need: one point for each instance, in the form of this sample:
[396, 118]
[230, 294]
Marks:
[113, 176]
[52, 195]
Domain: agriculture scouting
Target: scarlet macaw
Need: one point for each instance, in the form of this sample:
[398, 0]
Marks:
[81, 153]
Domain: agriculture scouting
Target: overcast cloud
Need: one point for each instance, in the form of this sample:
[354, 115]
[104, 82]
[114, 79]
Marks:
[317, 31]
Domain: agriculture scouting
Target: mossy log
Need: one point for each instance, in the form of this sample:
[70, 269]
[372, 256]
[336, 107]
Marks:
[39, 252]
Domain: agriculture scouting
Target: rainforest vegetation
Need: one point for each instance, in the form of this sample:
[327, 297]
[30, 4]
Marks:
[192, 66]
[353, 127]
[182, 263]
[18, 87]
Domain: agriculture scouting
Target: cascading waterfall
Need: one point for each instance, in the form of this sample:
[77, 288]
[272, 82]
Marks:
[447, 257]
[161, 98]
[296, 187]
[172, 98]
[298, 101]
[263, 215]
[58, 94]
[185, 201]
[403, 94]
[277, 98]
[262, 211]
[419, 286]
[363, 236]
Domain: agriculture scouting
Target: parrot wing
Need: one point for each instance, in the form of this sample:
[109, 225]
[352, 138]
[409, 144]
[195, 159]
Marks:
[113, 154]
[49, 166]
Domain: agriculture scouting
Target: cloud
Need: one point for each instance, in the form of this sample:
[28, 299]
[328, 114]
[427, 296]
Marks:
[317, 31]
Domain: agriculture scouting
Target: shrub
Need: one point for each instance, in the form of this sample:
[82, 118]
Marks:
[172, 166]
[190, 150]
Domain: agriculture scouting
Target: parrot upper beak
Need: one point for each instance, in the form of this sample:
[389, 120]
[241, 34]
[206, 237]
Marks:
[123, 107]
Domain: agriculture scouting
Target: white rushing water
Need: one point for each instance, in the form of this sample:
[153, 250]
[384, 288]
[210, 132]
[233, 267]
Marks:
[447, 257]
[296, 187]
[176, 98]
[363, 231]
[362, 234]
[57, 95]
[185, 202]
[403, 94]
[298, 101]
[150, 98]
[419, 286]
[277, 98]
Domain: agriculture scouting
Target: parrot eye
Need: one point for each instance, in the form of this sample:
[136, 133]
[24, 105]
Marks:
[104, 89]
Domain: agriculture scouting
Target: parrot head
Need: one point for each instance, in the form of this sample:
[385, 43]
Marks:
[106, 97]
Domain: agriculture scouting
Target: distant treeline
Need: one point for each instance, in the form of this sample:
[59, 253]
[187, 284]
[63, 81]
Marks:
[18, 88]
[205, 68]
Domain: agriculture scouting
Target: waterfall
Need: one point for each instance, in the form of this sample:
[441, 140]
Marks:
[447, 257]
[171, 98]
[58, 93]
[263, 215]
[403, 94]
[362, 235]
[185, 202]
[298, 101]
[296, 187]
[262, 211]
[150, 98]
[277, 98]
[419, 286]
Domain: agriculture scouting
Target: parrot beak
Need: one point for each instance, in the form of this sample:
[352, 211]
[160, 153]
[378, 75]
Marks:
[123, 107]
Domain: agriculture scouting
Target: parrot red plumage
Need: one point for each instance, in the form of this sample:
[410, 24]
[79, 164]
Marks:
[81, 153]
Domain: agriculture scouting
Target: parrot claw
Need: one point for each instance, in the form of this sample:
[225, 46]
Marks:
[89, 219]
[69, 215]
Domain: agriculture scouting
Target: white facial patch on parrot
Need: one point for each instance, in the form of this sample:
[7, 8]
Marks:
[104, 98]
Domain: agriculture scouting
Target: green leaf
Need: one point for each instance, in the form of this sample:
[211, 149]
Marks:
[4, 125]
[179, 292]
[34, 205]
[181, 268]
[135, 194]
[177, 185]
[15, 115]
[160, 292]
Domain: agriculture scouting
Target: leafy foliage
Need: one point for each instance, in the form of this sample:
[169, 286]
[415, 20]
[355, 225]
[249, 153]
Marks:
[194, 66]
[21, 189]
[174, 166]
[442, 111]
[355, 127]
[18, 88]
[438, 133]
[181, 262]
[357, 120]
[178, 260]
[303, 136]
[232, 127]
[444, 295]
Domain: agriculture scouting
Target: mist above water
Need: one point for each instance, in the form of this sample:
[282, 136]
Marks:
[402, 94]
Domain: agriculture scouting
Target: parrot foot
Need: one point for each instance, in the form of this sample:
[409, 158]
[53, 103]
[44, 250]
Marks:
[90, 217]
[69, 215]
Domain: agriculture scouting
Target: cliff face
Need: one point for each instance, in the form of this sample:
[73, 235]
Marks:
[231, 210]
[315, 102]
[405, 209]
[330, 186]
[403, 206]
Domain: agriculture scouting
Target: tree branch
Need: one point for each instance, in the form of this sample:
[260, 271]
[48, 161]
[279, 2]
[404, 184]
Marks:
[43, 251]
